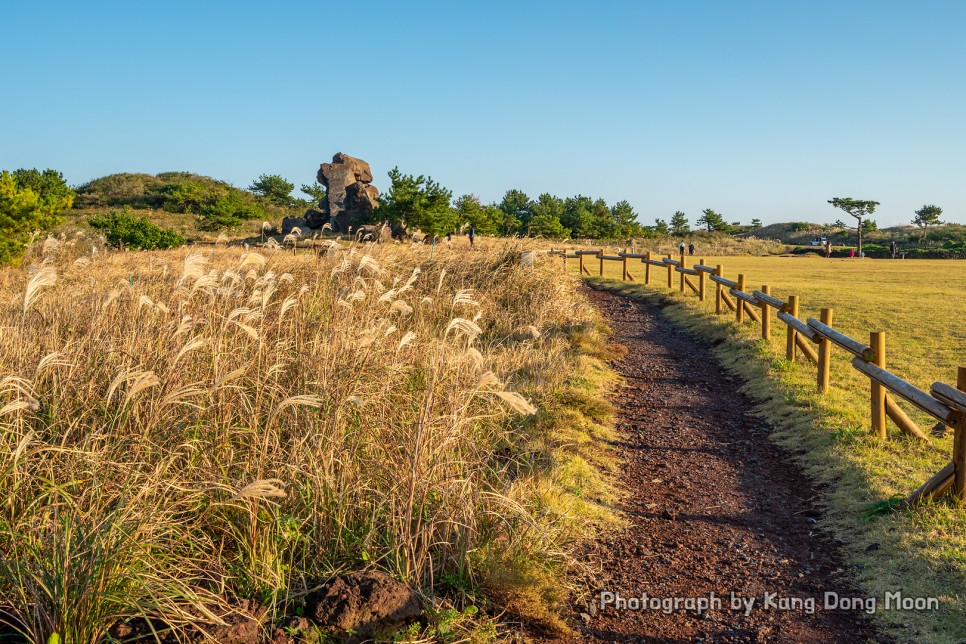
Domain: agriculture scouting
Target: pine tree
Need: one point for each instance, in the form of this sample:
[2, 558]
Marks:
[712, 221]
[679, 224]
[420, 202]
[29, 200]
[927, 216]
[274, 188]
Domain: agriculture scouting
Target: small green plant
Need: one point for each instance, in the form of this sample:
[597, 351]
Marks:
[781, 365]
[311, 634]
[846, 435]
[409, 633]
[450, 625]
[883, 507]
[123, 230]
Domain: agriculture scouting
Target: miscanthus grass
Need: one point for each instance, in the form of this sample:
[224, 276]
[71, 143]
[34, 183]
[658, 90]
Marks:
[182, 429]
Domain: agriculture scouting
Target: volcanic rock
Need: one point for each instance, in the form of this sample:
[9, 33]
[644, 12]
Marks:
[368, 605]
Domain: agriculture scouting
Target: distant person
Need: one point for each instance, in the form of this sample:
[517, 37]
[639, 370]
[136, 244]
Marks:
[851, 253]
[449, 236]
[681, 247]
[893, 249]
[472, 235]
[691, 248]
[828, 248]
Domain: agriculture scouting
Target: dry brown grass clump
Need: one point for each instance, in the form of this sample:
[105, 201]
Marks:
[181, 428]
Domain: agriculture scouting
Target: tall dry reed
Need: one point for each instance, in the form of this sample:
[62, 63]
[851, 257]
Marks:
[181, 428]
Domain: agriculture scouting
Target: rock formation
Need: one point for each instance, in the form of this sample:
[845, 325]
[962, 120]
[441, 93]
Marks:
[314, 218]
[350, 197]
[291, 223]
[374, 233]
[369, 605]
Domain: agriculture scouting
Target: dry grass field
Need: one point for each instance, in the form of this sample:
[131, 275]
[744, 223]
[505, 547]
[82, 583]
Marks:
[182, 429]
[919, 304]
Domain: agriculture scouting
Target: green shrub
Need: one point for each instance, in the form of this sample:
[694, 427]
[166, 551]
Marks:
[228, 211]
[126, 231]
[186, 196]
[800, 226]
[218, 205]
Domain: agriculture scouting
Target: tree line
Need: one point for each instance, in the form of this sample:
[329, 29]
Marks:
[423, 203]
[33, 200]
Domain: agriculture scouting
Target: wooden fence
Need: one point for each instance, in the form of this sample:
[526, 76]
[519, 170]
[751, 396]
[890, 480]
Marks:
[943, 402]
[315, 246]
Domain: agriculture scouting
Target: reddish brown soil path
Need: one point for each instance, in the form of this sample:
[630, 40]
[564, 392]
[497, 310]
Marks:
[712, 505]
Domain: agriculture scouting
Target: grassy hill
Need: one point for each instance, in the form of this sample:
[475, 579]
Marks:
[798, 233]
[193, 205]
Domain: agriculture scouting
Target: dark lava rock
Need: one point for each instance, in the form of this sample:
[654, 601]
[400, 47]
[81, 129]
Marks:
[314, 219]
[369, 604]
[288, 223]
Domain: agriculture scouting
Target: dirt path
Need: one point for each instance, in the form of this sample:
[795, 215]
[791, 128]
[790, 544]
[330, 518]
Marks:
[713, 506]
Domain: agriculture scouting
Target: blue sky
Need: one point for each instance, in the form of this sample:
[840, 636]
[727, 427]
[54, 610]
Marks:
[754, 109]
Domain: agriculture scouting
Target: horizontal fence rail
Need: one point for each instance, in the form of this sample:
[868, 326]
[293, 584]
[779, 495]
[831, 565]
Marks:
[945, 403]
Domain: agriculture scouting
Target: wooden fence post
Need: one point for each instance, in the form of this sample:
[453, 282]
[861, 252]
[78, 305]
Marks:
[580, 256]
[647, 268]
[717, 290]
[790, 344]
[624, 274]
[959, 446]
[765, 315]
[565, 260]
[824, 354]
[740, 308]
[702, 276]
[600, 254]
[877, 342]
[682, 274]
[670, 273]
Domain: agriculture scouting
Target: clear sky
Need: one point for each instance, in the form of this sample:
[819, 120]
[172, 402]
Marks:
[754, 109]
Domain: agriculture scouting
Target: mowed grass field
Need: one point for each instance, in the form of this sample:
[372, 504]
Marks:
[919, 305]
